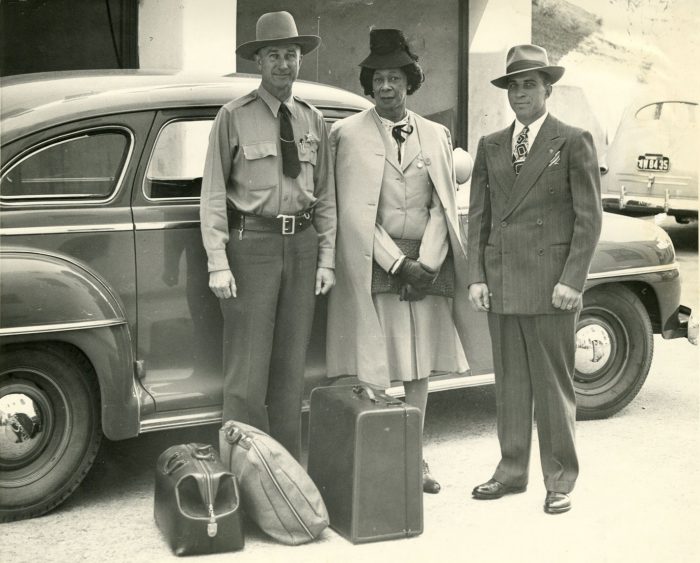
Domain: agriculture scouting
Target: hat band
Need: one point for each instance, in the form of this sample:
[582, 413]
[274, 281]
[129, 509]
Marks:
[517, 66]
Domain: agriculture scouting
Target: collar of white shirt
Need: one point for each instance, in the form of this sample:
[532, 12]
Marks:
[533, 129]
[389, 124]
[273, 103]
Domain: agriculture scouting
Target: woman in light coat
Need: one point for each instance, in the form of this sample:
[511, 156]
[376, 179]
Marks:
[395, 184]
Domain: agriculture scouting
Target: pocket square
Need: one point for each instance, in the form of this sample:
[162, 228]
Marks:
[555, 159]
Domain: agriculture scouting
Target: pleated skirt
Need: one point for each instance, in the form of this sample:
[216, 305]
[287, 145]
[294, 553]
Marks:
[420, 336]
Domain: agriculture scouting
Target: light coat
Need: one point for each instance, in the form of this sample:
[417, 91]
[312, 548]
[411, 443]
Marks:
[355, 340]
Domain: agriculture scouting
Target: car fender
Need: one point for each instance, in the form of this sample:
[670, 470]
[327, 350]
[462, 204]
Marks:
[48, 297]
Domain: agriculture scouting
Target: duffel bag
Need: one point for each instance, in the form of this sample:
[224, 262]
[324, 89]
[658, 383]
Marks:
[197, 501]
[276, 492]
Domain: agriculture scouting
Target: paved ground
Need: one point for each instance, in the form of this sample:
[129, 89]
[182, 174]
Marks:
[637, 499]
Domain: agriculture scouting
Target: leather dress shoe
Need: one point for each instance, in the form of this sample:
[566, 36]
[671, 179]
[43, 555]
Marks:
[430, 485]
[492, 489]
[556, 503]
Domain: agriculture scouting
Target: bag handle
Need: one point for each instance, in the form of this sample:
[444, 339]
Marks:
[203, 452]
[359, 389]
[173, 463]
[234, 435]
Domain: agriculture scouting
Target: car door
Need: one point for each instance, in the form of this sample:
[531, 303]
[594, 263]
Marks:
[66, 191]
[179, 336]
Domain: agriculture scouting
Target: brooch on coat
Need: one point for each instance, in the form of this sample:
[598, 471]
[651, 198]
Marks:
[422, 161]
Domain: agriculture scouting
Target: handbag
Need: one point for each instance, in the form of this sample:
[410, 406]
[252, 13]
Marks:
[276, 492]
[443, 285]
[197, 501]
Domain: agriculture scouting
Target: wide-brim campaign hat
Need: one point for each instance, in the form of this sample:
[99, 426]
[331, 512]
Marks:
[524, 58]
[277, 28]
[388, 49]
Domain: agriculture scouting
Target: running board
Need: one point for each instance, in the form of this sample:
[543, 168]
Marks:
[213, 416]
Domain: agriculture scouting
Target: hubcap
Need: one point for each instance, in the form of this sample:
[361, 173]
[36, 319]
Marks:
[593, 348]
[602, 347]
[21, 427]
[26, 418]
[34, 426]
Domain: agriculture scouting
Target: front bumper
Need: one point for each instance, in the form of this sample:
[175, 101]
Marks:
[688, 326]
[635, 204]
[693, 328]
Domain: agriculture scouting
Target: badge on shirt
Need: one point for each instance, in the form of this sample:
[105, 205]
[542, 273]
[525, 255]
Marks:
[309, 142]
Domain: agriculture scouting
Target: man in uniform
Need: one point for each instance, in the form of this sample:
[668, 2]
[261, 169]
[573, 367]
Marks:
[268, 226]
[534, 220]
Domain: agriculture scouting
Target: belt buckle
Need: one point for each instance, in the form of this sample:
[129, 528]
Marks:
[289, 225]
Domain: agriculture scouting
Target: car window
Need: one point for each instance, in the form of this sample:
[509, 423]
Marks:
[83, 166]
[177, 161]
[668, 112]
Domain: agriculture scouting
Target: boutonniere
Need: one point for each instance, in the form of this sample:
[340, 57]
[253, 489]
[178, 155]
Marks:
[309, 141]
[555, 159]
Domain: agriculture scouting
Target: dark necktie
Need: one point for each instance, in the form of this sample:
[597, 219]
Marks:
[400, 133]
[290, 157]
[520, 150]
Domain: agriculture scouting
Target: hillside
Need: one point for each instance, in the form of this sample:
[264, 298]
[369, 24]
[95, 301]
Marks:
[560, 27]
[616, 49]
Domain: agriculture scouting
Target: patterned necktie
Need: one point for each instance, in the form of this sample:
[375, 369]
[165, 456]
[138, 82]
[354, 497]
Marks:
[290, 157]
[401, 133]
[520, 150]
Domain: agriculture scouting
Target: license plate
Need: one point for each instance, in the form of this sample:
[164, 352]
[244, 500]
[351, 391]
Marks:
[655, 162]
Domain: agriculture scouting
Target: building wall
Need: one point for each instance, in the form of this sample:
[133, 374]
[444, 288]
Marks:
[188, 34]
[431, 29]
[494, 27]
[203, 34]
[41, 36]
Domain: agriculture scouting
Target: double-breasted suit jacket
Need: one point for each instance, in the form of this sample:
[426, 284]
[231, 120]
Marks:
[529, 232]
[355, 338]
[526, 234]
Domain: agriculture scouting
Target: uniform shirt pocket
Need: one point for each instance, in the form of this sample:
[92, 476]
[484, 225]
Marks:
[260, 165]
[308, 153]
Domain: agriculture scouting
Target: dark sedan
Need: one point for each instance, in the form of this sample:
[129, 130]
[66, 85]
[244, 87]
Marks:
[108, 325]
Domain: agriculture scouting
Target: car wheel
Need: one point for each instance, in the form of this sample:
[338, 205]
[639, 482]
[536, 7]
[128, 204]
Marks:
[49, 427]
[614, 347]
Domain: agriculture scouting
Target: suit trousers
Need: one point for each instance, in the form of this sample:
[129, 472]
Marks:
[534, 363]
[267, 329]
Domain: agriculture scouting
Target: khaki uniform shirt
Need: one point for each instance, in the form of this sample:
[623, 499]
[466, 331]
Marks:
[243, 168]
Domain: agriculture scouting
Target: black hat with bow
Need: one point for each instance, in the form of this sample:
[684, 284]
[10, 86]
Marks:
[388, 49]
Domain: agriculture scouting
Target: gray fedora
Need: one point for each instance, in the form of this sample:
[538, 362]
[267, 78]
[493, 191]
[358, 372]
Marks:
[277, 28]
[523, 58]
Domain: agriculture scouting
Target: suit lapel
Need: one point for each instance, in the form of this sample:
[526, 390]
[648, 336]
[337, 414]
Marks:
[389, 149]
[432, 145]
[501, 158]
[546, 144]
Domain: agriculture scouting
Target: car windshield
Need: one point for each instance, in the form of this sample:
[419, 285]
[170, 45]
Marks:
[676, 113]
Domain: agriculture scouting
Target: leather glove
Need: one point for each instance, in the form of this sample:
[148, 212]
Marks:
[410, 293]
[414, 273]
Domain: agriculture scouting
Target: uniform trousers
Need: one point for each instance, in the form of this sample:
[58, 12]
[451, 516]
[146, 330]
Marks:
[267, 329]
[534, 359]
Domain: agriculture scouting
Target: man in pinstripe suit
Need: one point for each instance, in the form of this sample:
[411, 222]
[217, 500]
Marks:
[534, 220]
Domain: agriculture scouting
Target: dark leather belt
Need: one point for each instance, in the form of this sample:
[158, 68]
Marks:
[282, 224]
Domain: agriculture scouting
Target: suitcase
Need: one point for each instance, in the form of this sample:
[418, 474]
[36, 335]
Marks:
[196, 501]
[365, 456]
